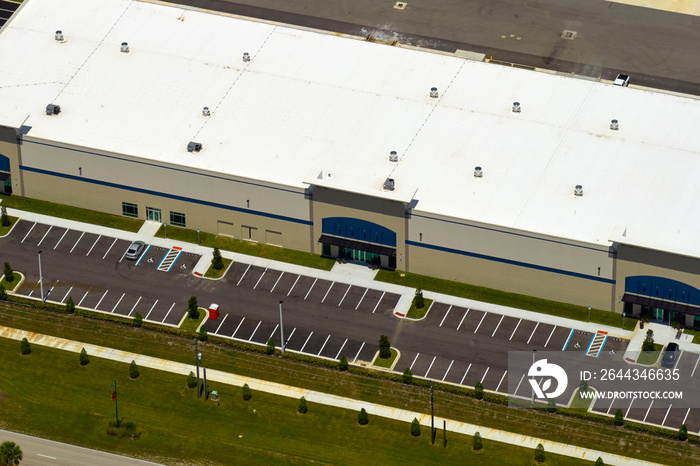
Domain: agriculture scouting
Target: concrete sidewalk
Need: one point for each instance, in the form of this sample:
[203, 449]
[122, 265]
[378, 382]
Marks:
[318, 397]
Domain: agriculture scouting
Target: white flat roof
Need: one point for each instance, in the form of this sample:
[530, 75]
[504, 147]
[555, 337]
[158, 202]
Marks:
[309, 103]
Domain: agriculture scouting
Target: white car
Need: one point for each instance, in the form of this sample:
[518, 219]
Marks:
[622, 80]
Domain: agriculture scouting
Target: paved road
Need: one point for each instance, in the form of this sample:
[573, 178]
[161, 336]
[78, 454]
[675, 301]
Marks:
[41, 452]
[6, 10]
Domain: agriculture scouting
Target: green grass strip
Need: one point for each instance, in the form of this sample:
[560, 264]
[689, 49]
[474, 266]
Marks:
[10, 286]
[415, 313]
[213, 273]
[192, 324]
[6, 230]
[388, 362]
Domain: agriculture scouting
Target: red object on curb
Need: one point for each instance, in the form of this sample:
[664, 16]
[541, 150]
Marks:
[199, 274]
[399, 314]
[213, 311]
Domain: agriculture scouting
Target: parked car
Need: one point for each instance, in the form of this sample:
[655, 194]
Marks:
[670, 355]
[135, 250]
[622, 80]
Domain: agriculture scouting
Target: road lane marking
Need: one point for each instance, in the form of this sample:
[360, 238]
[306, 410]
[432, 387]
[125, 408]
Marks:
[460, 322]
[66, 296]
[76, 243]
[363, 297]
[222, 323]
[312, 286]
[61, 239]
[239, 326]
[166, 315]
[327, 291]
[103, 297]
[358, 351]
[465, 374]
[263, 274]
[110, 248]
[81, 301]
[149, 312]
[430, 366]
[482, 319]
[448, 370]
[664, 421]
[516, 328]
[569, 339]
[414, 361]
[645, 416]
[278, 280]
[137, 303]
[307, 340]
[550, 336]
[346, 293]
[46, 456]
[120, 300]
[499, 324]
[241, 279]
[341, 349]
[30, 230]
[445, 317]
[533, 332]
[380, 300]
[256, 329]
[273, 332]
[47, 232]
[295, 284]
[503, 377]
[696, 366]
[521, 381]
[93, 245]
[482, 379]
[324, 345]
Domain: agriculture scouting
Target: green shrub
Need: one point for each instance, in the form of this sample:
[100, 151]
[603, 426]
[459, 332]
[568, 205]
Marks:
[247, 395]
[384, 347]
[683, 433]
[4, 219]
[415, 427]
[343, 363]
[191, 380]
[3, 293]
[539, 454]
[70, 305]
[648, 343]
[84, 360]
[599, 462]
[418, 299]
[619, 420]
[407, 376]
[270, 348]
[479, 391]
[203, 335]
[363, 417]
[217, 261]
[9, 277]
[138, 320]
[192, 308]
[478, 444]
[133, 370]
[551, 405]
[24, 346]
[582, 387]
[302, 408]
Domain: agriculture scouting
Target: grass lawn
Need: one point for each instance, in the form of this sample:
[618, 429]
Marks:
[650, 358]
[192, 324]
[6, 230]
[580, 403]
[415, 313]
[329, 380]
[72, 213]
[695, 334]
[213, 273]
[226, 243]
[386, 363]
[49, 394]
[11, 285]
[503, 298]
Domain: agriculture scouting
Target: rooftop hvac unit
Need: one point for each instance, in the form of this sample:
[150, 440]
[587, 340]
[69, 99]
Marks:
[578, 190]
[59, 36]
[516, 107]
[433, 92]
[614, 125]
[478, 173]
[389, 184]
[246, 57]
[125, 47]
[53, 109]
[393, 157]
[194, 147]
[205, 111]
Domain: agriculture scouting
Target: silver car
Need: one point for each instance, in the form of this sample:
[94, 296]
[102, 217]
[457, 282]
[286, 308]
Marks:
[135, 250]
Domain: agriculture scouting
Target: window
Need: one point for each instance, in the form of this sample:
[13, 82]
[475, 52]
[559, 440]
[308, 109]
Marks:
[177, 219]
[130, 210]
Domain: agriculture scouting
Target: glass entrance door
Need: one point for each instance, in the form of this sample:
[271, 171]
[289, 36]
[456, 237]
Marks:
[153, 214]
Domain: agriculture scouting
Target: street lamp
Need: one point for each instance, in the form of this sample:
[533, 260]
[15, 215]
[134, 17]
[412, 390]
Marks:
[41, 278]
[198, 241]
[165, 230]
[198, 358]
[533, 388]
[623, 320]
[282, 342]
[589, 313]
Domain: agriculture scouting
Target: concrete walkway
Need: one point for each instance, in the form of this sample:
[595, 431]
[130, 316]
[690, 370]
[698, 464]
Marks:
[318, 397]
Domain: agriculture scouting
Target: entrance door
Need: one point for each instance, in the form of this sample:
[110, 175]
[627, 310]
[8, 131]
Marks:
[153, 214]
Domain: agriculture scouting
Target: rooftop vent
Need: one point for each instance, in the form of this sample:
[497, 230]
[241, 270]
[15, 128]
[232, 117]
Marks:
[194, 146]
[614, 125]
[125, 47]
[205, 111]
[478, 173]
[393, 157]
[578, 190]
[59, 36]
[516, 107]
[433, 92]
[246, 57]
[389, 184]
[53, 109]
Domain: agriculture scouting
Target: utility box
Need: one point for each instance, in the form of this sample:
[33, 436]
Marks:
[214, 311]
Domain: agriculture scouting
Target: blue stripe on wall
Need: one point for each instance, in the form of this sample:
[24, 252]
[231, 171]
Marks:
[168, 196]
[510, 262]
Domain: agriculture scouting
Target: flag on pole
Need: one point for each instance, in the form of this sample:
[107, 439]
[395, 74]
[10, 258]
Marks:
[114, 395]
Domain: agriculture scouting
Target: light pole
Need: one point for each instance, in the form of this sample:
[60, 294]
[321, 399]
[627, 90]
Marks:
[533, 388]
[41, 279]
[198, 358]
[623, 320]
[116, 403]
[198, 241]
[589, 313]
[165, 230]
[281, 330]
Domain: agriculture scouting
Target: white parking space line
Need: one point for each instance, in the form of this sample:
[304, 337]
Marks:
[256, 329]
[290, 335]
[610, 407]
[103, 297]
[686, 416]
[295, 284]
[533, 332]
[414, 361]
[120, 300]
[324, 345]
[667, 411]
[550, 336]
[81, 299]
[503, 377]
[696, 366]
[307, 340]
[630, 407]
[278, 280]
[445, 317]
[273, 332]
[47, 232]
[679, 359]
[341, 349]
[61, 239]
[363, 297]
[93, 245]
[484, 376]
[499, 324]
[143, 254]
[30, 230]
[76, 243]
[521, 381]
[430, 366]
[465, 374]
[482, 319]
[33, 290]
[460, 322]
[49, 292]
[328, 291]
[263, 274]
[137, 303]
[346, 293]
[448, 370]
[151, 310]
[110, 248]
[166, 315]
[645, 416]
[516, 328]
[241, 279]
[66, 296]
[312, 286]
[222, 323]
[239, 326]
[566, 343]
[380, 300]
[358, 351]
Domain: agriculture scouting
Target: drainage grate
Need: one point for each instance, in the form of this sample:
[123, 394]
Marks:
[400, 5]
[169, 259]
[568, 35]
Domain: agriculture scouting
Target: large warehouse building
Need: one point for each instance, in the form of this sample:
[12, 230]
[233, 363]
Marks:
[550, 186]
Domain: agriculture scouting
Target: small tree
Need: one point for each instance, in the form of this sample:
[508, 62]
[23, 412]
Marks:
[539, 453]
[479, 391]
[138, 320]
[343, 363]
[84, 360]
[619, 420]
[9, 277]
[10, 453]
[270, 348]
[551, 405]
[582, 387]
[683, 433]
[415, 427]
[4, 219]
[408, 376]
[302, 408]
[133, 370]
[191, 380]
[599, 462]
[192, 308]
[247, 395]
[3, 293]
[363, 417]
[384, 347]
[203, 335]
[477, 442]
[217, 261]
[24, 346]
[70, 305]
[648, 343]
[418, 300]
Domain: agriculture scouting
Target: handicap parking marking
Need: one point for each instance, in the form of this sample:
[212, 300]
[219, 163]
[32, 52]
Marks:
[465, 374]
[169, 259]
[76, 243]
[463, 317]
[569, 339]
[109, 249]
[30, 230]
[143, 254]
[93, 245]
[149, 312]
[47, 232]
